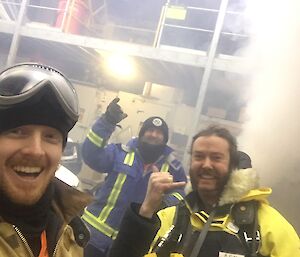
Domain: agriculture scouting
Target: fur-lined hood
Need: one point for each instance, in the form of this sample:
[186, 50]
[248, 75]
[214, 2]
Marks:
[243, 185]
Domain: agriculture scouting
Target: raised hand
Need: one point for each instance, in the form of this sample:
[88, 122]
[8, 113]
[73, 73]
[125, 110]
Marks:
[159, 184]
[114, 113]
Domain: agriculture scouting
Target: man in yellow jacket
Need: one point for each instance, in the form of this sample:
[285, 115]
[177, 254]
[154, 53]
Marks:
[225, 215]
[38, 107]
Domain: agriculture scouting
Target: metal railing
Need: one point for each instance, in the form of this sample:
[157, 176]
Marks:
[168, 31]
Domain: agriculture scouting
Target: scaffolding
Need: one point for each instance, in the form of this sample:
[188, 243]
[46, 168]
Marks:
[70, 29]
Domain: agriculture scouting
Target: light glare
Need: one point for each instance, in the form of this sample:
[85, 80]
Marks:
[120, 66]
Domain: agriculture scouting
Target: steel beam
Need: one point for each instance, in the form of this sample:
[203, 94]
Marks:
[163, 53]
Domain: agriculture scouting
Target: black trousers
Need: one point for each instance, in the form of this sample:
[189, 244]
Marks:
[92, 251]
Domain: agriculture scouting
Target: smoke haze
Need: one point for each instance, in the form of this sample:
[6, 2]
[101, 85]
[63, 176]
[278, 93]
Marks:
[271, 134]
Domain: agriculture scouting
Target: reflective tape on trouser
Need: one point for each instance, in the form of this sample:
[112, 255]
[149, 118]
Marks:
[94, 138]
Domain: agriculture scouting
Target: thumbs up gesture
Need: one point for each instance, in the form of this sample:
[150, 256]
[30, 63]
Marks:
[159, 184]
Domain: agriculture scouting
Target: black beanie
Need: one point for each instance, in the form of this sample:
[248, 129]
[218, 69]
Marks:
[43, 112]
[158, 123]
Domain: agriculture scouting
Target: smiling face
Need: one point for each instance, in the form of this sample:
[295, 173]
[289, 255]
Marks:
[29, 156]
[209, 165]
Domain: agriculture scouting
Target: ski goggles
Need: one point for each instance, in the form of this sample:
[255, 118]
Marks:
[25, 80]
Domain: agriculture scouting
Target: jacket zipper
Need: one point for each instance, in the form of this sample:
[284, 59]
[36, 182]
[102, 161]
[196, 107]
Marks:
[27, 245]
[59, 239]
[55, 250]
[23, 240]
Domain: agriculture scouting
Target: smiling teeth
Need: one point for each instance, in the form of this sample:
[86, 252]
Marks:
[27, 169]
[207, 176]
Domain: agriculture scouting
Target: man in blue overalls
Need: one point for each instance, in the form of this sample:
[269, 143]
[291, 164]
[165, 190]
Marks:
[128, 169]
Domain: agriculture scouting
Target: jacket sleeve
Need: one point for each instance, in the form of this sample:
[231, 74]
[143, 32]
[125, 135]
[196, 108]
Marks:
[95, 153]
[135, 234]
[173, 197]
[278, 237]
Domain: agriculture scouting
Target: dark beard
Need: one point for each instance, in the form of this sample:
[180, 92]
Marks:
[221, 187]
[150, 152]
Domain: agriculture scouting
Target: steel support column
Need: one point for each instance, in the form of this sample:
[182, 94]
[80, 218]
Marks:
[205, 78]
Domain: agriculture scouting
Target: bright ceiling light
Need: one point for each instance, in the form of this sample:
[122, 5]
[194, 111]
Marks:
[120, 66]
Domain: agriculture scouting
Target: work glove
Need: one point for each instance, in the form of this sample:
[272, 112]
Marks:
[114, 113]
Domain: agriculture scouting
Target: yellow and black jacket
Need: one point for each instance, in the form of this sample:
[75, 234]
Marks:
[277, 238]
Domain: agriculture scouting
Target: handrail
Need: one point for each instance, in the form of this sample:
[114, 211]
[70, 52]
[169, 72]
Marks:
[149, 36]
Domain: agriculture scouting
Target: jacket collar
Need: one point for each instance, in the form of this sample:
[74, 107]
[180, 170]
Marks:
[68, 202]
[242, 185]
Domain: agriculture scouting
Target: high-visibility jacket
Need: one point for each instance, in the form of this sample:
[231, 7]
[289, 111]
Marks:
[126, 181]
[277, 238]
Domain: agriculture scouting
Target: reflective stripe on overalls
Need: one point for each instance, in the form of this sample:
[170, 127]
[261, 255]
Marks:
[94, 138]
[165, 167]
[99, 222]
